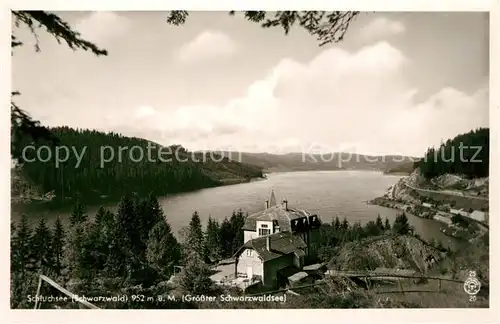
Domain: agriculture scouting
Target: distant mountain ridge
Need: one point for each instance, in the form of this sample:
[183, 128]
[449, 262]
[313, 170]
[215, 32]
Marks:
[318, 162]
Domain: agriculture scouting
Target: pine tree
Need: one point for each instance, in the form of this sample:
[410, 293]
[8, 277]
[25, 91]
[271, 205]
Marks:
[126, 251]
[75, 249]
[387, 225]
[95, 248]
[226, 238]
[401, 224]
[440, 246]
[356, 231]
[13, 229]
[163, 250]
[118, 252]
[99, 216]
[150, 213]
[78, 215]
[41, 247]
[195, 276]
[58, 246]
[13, 247]
[84, 256]
[107, 221]
[336, 223]
[195, 235]
[128, 223]
[371, 229]
[20, 263]
[212, 240]
[21, 247]
[379, 222]
[144, 215]
[237, 221]
[345, 224]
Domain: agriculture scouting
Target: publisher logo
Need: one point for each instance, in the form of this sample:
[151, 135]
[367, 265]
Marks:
[472, 286]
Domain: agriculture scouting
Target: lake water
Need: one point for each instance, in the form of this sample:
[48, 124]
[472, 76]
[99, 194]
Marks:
[326, 193]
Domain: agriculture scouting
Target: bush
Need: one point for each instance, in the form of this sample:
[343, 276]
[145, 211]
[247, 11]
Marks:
[401, 224]
[195, 276]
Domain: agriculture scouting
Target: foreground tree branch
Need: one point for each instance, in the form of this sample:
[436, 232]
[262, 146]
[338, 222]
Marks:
[23, 127]
[327, 26]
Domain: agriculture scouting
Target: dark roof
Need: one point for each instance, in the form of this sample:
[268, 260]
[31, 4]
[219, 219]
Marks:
[288, 271]
[276, 213]
[313, 267]
[282, 243]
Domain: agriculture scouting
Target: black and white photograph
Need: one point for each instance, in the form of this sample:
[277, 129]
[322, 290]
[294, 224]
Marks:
[250, 160]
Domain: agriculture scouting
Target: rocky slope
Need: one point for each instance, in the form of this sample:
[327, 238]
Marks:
[453, 182]
[401, 252]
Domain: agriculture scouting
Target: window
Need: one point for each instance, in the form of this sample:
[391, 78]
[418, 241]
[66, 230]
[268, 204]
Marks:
[263, 225]
[264, 231]
[249, 252]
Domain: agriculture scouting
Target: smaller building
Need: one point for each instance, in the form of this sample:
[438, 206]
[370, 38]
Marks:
[460, 212]
[427, 205]
[443, 218]
[298, 279]
[478, 215]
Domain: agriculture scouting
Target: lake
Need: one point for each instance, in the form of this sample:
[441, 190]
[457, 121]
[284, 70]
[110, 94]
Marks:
[326, 193]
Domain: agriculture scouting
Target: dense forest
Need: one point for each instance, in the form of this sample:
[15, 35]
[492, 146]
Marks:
[467, 154]
[134, 251]
[134, 246]
[105, 170]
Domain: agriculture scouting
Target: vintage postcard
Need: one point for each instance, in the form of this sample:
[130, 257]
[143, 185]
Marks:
[250, 160]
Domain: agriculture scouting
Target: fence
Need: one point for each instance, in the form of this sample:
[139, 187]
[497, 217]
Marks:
[61, 289]
[373, 275]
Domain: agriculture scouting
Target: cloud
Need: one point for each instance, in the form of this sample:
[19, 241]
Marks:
[380, 28]
[206, 46]
[144, 111]
[356, 101]
[100, 26]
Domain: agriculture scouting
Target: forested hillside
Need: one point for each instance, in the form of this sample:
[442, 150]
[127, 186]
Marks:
[466, 154]
[91, 170]
[406, 167]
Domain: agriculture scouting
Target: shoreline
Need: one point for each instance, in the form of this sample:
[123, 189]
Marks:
[107, 199]
[424, 207]
[455, 232]
[20, 204]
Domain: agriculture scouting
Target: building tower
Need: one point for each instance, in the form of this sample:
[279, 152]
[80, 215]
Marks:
[272, 200]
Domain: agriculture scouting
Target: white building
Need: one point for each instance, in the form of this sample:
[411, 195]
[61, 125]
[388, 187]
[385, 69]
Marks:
[443, 219]
[460, 212]
[478, 215]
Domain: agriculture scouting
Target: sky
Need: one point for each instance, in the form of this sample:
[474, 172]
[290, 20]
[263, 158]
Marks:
[397, 84]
